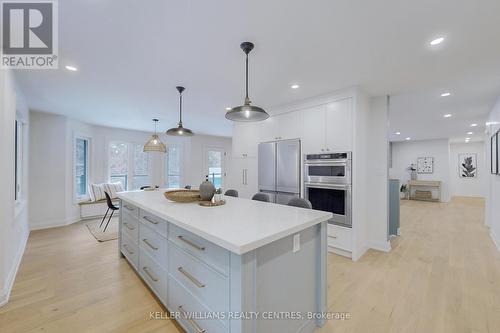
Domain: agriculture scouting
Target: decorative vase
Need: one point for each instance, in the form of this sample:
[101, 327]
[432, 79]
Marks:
[207, 190]
[413, 175]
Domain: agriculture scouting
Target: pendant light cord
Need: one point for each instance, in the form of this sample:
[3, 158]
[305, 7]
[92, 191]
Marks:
[246, 75]
[180, 109]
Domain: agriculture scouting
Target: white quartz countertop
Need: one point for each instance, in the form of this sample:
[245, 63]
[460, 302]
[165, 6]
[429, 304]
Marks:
[240, 226]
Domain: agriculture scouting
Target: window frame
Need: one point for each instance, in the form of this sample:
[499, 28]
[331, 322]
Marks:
[80, 198]
[19, 156]
[130, 163]
[166, 170]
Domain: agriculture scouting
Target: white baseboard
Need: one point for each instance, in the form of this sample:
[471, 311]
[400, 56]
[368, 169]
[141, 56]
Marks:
[53, 224]
[7, 288]
[495, 238]
[384, 246]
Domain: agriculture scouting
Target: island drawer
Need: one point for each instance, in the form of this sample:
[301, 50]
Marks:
[156, 223]
[208, 285]
[130, 225]
[130, 250]
[129, 208]
[183, 305]
[154, 244]
[215, 256]
[154, 275]
[339, 237]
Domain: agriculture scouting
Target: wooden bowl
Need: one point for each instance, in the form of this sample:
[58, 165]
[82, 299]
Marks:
[183, 195]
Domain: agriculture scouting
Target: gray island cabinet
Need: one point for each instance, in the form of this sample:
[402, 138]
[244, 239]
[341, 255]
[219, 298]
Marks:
[247, 266]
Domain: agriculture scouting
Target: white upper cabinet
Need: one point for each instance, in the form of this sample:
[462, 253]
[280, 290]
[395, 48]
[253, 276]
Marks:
[313, 140]
[339, 126]
[245, 139]
[328, 127]
[281, 127]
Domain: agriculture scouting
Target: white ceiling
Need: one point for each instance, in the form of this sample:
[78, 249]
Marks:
[131, 55]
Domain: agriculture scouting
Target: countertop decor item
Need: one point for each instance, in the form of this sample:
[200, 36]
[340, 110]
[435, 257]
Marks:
[212, 203]
[247, 112]
[155, 144]
[179, 130]
[183, 195]
[207, 190]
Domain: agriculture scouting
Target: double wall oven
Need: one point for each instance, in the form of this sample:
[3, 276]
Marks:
[328, 185]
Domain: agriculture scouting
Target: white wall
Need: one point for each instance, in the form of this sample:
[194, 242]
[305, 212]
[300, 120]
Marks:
[493, 183]
[52, 202]
[469, 187]
[14, 228]
[377, 174]
[406, 153]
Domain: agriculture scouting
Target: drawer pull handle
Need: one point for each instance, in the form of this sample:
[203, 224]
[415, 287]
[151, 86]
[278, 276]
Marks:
[190, 320]
[126, 248]
[190, 277]
[146, 270]
[187, 241]
[145, 240]
[128, 207]
[150, 220]
[128, 226]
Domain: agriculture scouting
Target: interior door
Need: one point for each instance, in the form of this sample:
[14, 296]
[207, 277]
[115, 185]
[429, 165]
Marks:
[288, 166]
[267, 166]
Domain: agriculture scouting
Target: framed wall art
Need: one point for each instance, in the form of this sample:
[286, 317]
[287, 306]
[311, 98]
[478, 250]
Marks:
[425, 165]
[467, 165]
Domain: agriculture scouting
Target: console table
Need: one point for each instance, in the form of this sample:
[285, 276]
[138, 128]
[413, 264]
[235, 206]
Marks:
[425, 183]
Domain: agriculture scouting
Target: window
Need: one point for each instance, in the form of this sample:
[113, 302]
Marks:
[173, 166]
[128, 165]
[214, 159]
[141, 166]
[18, 160]
[81, 168]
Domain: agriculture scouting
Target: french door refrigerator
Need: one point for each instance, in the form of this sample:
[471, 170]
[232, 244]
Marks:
[279, 170]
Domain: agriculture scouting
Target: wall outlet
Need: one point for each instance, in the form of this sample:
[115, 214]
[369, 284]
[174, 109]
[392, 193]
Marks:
[296, 243]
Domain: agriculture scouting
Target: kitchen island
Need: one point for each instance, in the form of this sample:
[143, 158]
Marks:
[246, 266]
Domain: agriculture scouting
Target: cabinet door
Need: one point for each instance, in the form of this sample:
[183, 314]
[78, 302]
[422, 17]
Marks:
[267, 130]
[289, 125]
[245, 139]
[313, 130]
[244, 171]
[339, 125]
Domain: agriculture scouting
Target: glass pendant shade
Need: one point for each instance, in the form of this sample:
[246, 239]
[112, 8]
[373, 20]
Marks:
[247, 112]
[154, 144]
[179, 130]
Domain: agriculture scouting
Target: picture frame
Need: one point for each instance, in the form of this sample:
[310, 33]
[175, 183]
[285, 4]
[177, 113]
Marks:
[425, 165]
[494, 153]
[467, 165]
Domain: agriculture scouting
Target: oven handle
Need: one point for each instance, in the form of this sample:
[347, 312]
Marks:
[328, 186]
[323, 162]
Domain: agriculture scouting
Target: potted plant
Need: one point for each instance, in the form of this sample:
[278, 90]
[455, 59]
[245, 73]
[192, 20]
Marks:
[403, 192]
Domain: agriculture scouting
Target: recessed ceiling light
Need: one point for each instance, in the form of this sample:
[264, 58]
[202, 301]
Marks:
[294, 86]
[408, 139]
[470, 133]
[71, 68]
[228, 108]
[448, 115]
[488, 123]
[446, 94]
[467, 139]
[437, 41]
[397, 133]
[473, 125]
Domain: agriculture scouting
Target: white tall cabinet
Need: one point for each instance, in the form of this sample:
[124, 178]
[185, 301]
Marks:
[329, 123]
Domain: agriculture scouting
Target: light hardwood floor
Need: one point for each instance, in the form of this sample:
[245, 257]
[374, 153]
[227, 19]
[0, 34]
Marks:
[443, 275]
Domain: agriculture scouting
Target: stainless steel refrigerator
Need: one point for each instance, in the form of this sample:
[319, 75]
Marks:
[279, 170]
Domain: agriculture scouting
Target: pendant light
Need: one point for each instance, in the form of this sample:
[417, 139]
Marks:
[179, 130]
[155, 144]
[247, 112]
